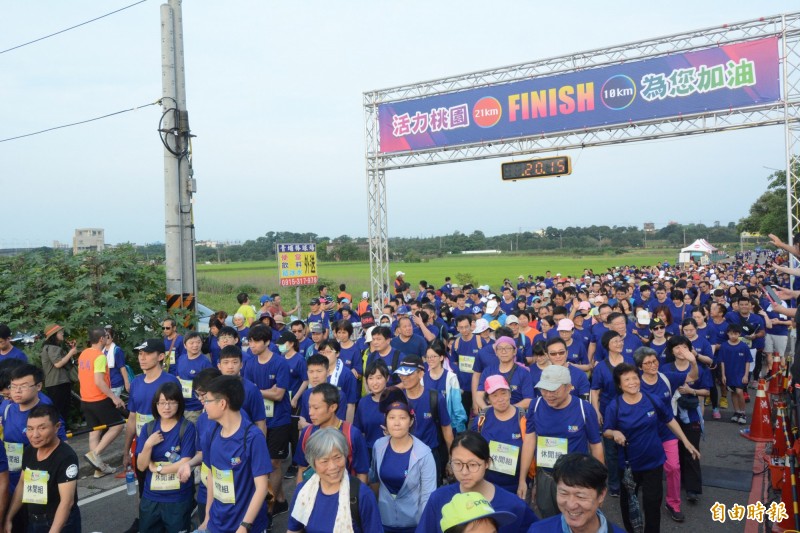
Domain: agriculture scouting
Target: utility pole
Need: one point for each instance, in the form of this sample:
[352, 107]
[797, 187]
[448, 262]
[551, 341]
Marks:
[179, 184]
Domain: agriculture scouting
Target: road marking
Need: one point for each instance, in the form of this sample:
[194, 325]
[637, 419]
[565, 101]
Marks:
[102, 495]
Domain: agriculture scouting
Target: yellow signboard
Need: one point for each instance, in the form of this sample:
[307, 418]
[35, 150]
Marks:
[297, 264]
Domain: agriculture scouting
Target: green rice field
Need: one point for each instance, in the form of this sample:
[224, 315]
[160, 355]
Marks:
[218, 284]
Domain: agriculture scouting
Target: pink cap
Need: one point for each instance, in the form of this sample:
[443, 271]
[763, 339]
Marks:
[565, 324]
[584, 306]
[494, 383]
[505, 340]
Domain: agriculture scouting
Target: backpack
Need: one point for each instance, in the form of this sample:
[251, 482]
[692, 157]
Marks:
[523, 426]
[347, 430]
[184, 424]
[354, 512]
[478, 340]
[434, 401]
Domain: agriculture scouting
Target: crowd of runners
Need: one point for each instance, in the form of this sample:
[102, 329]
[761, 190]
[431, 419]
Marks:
[514, 407]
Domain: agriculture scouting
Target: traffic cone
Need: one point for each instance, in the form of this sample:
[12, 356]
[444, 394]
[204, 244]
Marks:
[780, 441]
[760, 426]
[775, 377]
[788, 492]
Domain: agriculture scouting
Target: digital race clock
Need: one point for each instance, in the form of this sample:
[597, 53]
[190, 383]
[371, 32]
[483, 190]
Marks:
[537, 168]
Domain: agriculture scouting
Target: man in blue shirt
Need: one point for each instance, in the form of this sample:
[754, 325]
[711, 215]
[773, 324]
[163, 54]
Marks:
[406, 341]
[8, 350]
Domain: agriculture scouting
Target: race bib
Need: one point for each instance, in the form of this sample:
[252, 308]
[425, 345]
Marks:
[34, 486]
[164, 481]
[465, 363]
[549, 449]
[186, 387]
[223, 485]
[14, 454]
[141, 421]
[504, 457]
[171, 357]
[204, 474]
[269, 407]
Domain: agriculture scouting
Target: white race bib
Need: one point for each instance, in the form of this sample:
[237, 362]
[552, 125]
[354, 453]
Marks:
[504, 457]
[224, 490]
[549, 449]
[465, 363]
[186, 387]
[34, 486]
[14, 455]
[141, 421]
[160, 482]
[269, 408]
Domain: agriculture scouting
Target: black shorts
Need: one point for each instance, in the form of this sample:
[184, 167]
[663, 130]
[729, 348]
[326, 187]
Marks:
[278, 442]
[734, 389]
[102, 413]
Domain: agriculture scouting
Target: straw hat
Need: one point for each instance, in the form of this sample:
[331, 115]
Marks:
[51, 330]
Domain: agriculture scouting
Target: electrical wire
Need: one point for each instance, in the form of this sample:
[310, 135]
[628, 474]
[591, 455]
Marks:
[71, 27]
[157, 102]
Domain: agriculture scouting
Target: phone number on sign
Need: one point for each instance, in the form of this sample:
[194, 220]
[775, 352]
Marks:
[305, 280]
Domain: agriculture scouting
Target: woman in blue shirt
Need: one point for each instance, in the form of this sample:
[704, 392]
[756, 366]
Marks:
[632, 420]
[402, 466]
[368, 415]
[162, 447]
[658, 338]
[325, 502]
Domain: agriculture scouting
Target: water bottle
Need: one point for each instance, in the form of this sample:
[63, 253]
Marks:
[130, 482]
[172, 457]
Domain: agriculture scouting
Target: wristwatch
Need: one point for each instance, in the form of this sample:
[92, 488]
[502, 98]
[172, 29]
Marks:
[159, 468]
[247, 525]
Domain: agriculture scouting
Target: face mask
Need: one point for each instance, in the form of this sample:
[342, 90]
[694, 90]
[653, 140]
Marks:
[283, 347]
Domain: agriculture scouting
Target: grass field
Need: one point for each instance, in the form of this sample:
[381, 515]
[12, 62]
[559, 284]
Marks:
[219, 283]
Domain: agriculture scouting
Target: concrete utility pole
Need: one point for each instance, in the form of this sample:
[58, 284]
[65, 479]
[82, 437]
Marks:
[178, 182]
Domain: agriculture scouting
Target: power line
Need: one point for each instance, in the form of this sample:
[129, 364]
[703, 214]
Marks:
[157, 102]
[71, 27]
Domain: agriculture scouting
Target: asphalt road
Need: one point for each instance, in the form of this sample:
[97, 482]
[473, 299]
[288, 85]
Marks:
[106, 508]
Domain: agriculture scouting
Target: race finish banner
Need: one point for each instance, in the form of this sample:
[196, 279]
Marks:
[721, 78]
[297, 264]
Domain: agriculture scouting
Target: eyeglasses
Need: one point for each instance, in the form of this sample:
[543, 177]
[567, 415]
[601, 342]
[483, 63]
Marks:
[207, 401]
[23, 387]
[169, 403]
[472, 466]
[562, 352]
[166, 328]
[656, 328]
[506, 349]
[649, 363]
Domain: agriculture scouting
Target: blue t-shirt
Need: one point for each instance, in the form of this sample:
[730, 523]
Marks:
[305, 344]
[704, 381]
[463, 357]
[184, 447]
[394, 469]
[576, 353]
[416, 345]
[15, 353]
[319, 318]
[661, 391]
[424, 421]
[142, 393]
[298, 373]
[322, 517]
[174, 351]
[603, 380]
[754, 322]
[348, 390]
[503, 501]
[703, 347]
[639, 423]
[577, 422]
[115, 371]
[660, 350]
[265, 376]
[187, 370]
[736, 359]
[352, 357]
[505, 432]
[303, 403]
[243, 456]
[253, 405]
[718, 332]
[361, 458]
[518, 378]
[369, 420]
[392, 359]
[15, 424]
[439, 383]
[204, 428]
[556, 524]
[630, 344]
[486, 358]
[213, 350]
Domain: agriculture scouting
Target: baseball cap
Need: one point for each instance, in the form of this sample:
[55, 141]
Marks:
[344, 301]
[314, 301]
[403, 310]
[399, 273]
[512, 319]
[483, 288]
[409, 365]
[494, 324]
[468, 506]
[367, 320]
[315, 327]
[477, 310]
[656, 322]
[491, 306]
[565, 324]
[264, 299]
[481, 325]
[286, 336]
[553, 377]
[364, 295]
[473, 291]
[151, 346]
[279, 319]
[642, 316]
[494, 383]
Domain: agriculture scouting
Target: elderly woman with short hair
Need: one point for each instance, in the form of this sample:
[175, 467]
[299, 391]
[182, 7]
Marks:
[327, 500]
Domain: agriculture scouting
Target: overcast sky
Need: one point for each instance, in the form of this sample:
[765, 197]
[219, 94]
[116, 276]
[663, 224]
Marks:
[274, 92]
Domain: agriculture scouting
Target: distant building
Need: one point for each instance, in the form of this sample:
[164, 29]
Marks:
[649, 227]
[88, 239]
